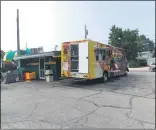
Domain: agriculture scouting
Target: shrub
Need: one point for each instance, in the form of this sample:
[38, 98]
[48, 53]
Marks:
[134, 64]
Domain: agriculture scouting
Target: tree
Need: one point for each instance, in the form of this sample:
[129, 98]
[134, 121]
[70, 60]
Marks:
[116, 36]
[146, 44]
[131, 41]
[126, 39]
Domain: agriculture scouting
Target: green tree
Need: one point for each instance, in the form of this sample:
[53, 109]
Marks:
[131, 41]
[116, 36]
[146, 44]
[126, 39]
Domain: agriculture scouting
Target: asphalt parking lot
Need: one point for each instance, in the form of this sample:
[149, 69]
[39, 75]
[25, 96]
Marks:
[126, 102]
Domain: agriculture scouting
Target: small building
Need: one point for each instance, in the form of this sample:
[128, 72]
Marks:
[38, 63]
[146, 57]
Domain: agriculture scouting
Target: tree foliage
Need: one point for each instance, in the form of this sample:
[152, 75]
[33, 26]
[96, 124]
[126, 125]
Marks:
[130, 40]
[147, 44]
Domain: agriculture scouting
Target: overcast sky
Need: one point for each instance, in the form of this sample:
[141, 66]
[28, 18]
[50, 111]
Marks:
[49, 23]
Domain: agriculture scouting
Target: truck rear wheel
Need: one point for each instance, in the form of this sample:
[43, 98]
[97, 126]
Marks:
[105, 77]
[126, 73]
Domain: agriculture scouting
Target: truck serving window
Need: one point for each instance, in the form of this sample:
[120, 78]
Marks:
[100, 54]
[97, 54]
[74, 50]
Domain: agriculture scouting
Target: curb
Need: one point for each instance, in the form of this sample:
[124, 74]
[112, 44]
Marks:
[139, 69]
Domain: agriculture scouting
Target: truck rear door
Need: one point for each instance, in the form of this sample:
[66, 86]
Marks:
[79, 57]
[83, 57]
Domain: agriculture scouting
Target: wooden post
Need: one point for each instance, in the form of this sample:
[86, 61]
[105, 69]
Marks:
[18, 35]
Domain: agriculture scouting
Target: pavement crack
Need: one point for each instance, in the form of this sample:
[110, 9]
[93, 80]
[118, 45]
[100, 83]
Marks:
[36, 105]
[128, 114]
[16, 121]
[132, 94]
[91, 95]
[141, 123]
[29, 125]
[114, 106]
[79, 118]
[90, 102]
[149, 95]
[130, 106]
[95, 104]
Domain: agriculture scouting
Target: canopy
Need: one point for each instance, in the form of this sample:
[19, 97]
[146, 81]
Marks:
[9, 56]
[28, 51]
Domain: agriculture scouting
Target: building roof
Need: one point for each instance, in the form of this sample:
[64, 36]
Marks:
[54, 54]
[80, 41]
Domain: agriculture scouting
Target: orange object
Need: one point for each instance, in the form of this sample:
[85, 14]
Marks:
[33, 75]
[27, 76]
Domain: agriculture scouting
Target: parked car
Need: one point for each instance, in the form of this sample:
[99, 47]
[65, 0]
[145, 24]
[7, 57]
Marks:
[152, 67]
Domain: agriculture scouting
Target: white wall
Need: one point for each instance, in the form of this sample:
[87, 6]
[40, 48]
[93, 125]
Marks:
[150, 59]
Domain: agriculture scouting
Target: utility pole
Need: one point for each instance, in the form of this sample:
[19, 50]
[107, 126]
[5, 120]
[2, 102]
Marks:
[26, 45]
[55, 48]
[18, 35]
[86, 32]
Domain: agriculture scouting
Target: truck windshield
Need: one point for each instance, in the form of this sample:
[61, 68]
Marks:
[117, 59]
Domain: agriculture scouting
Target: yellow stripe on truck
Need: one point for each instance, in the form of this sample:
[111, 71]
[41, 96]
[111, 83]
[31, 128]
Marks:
[65, 73]
[62, 56]
[92, 60]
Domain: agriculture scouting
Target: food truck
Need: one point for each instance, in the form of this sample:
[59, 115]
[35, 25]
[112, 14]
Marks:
[89, 59]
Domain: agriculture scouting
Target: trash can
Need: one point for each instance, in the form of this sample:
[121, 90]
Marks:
[49, 76]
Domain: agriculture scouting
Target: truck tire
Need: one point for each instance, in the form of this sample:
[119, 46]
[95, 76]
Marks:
[105, 77]
[126, 73]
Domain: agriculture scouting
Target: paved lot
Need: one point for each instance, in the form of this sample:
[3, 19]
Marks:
[128, 102]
